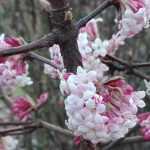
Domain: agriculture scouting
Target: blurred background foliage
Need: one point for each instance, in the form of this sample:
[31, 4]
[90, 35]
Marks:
[26, 18]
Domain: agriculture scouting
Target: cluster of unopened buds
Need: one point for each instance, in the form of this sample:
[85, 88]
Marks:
[144, 121]
[100, 112]
[24, 106]
[13, 69]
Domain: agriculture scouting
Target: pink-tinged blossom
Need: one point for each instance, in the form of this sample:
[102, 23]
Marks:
[144, 121]
[13, 70]
[8, 143]
[114, 44]
[23, 107]
[57, 59]
[100, 112]
[46, 5]
[42, 99]
[147, 84]
[133, 5]
[135, 17]
[133, 23]
[92, 48]
[91, 29]
[76, 141]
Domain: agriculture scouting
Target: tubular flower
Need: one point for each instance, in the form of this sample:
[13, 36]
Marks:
[100, 112]
[144, 121]
[13, 70]
[8, 143]
[23, 107]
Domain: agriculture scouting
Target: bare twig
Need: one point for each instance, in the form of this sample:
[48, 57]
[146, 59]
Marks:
[82, 22]
[127, 67]
[14, 123]
[43, 60]
[14, 130]
[28, 127]
[129, 140]
[134, 139]
[55, 128]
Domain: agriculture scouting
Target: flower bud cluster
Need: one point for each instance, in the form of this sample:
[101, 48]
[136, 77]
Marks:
[23, 106]
[144, 121]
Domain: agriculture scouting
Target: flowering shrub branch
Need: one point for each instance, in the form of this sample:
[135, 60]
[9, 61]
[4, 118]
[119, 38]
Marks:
[99, 108]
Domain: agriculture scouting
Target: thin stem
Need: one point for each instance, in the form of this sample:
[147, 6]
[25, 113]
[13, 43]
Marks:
[12, 130]
[55, 128]
[139, 65]
[117, 59]
[15, 123]
[127, 66]
[43, 60]
[82, 22]
[139, 74]
[129, 140]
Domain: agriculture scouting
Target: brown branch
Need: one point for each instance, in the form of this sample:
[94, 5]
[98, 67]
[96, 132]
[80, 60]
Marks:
[129, 140]
[127, 67]
[130, 65]
[15, 123]
[111, 57]
[46, 41]
[82, 22]
[12, 130]
[37, 57]
[139, 74]
[134, 139]
[139, 65]
[55, 128]
[27, 127]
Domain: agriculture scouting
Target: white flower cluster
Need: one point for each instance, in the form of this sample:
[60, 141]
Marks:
[56, 57]
[99, 112]
[132, 23]
[148, 87]
[9, 76]
[8, 143]
[91, 52]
